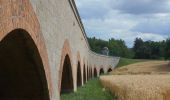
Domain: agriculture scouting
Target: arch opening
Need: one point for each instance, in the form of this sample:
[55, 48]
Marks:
[95, 72]
[109, 70]
[84, 74]
[67, 79]
[22, 72]
[87, 73]
[79, 78]
[101, 71]
[90, 73]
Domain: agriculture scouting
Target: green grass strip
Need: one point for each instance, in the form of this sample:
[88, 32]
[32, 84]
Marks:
[92, 90]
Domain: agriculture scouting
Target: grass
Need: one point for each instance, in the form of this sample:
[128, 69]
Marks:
[92, 90]
[126, 61]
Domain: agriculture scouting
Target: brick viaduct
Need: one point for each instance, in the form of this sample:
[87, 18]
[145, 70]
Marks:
[44, 50]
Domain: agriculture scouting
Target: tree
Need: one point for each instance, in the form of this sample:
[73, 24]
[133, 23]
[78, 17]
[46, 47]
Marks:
[155, 50]
[162, 45]
[116, 47]
[148, 49]
[167, 49]
[138, 48]
[141, 49]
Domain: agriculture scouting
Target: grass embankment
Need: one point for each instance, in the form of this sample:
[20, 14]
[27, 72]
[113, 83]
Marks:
[126, 61]
[92, 90]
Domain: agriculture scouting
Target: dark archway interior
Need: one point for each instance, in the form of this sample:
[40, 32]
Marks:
[67, 79]
[90, 73]
[95, 72]
[22, 75]
[109, 70]
[101, 71]
[84, 74]
[87, 73]
[79, 79]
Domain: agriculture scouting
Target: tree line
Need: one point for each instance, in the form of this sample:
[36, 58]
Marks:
[116, 47]
[140, 50]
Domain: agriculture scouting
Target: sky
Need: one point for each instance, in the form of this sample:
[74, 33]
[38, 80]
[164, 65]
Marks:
[126, 19]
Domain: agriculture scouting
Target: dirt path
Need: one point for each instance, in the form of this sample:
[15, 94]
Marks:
[141, 81]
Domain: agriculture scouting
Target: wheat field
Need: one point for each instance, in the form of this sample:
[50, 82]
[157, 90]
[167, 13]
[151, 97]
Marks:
[141, 81]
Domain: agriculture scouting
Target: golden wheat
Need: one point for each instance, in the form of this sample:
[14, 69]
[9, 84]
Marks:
[146, 84]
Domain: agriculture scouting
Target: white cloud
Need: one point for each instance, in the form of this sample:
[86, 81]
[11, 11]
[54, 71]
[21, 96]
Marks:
[122, 19]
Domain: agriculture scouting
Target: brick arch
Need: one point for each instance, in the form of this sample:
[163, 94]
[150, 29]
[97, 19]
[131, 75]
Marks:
[19, 14]
[84, 71]
[90, 71]
[78, 56]
[87, 72]
[66, 51]
[101, 71]
[79, 70]
[95, 71]
[84, 74]
[109, 69]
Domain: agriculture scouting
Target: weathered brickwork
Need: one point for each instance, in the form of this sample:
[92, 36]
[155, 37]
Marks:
[18, 14]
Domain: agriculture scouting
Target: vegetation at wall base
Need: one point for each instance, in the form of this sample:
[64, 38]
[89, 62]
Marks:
[92, 90]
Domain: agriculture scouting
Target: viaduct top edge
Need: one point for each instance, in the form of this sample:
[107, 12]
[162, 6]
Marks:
[78, 18]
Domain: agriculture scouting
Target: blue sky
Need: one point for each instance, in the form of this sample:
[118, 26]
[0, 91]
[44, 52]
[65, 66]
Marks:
[126, 19]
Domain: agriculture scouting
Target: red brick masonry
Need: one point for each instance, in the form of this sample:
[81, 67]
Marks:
[19, 14]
